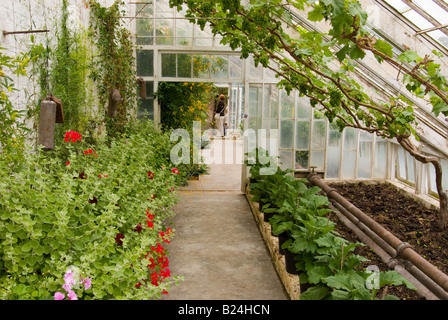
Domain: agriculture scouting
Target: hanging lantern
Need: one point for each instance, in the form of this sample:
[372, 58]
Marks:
[51, 112]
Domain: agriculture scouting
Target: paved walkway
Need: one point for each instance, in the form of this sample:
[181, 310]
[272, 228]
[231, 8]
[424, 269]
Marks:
[217, 246]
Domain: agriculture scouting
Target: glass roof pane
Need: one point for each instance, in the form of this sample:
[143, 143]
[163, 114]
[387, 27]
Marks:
[418, 20]
[433, 10]
[398, 4]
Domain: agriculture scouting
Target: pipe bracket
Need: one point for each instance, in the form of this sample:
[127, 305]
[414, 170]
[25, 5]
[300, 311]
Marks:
[401, 248]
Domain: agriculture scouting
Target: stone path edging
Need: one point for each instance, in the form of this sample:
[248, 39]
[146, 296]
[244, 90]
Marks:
[290, 282]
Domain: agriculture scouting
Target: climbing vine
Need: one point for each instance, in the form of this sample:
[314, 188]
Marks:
[60, 66]
[306, 63]
[113, 66]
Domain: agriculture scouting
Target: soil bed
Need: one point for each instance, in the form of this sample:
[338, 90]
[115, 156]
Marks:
[406, 218]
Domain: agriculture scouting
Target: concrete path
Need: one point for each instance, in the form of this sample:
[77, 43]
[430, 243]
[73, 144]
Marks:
[217, 246]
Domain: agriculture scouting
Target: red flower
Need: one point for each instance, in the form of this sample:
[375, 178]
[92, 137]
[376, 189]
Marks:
[68, 163]
[72, 136]
[149, 223]
[150, 216]
[90, 151]
[138, 228]
[174, 170]
[94, 200]
[150, 175]
[118, 238]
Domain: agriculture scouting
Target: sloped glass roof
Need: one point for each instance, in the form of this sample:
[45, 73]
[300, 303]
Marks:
[430, 16]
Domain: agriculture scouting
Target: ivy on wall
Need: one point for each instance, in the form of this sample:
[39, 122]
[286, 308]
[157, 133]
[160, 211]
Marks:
[113, 66]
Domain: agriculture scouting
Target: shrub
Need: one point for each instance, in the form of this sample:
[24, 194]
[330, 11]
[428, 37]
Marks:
[105, 210]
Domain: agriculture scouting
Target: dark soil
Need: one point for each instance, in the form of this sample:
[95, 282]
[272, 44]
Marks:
[409, 220]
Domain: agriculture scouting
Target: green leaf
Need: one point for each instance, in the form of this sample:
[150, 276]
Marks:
[408, 56]
[317, 292]
[315, 14]
[342, 53]
[356, 53]
[394, 278]
[27, 247]
[384, 47]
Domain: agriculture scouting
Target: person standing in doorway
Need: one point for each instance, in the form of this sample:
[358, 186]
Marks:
[219, 114]
[226, 122]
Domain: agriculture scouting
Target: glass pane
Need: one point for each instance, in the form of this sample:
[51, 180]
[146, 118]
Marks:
[145, 63]
[254, 102]
[432, 178]
[303, 108]
[204, 37]
[333, 152]
[401, 163]
[184, 65]
[168, 65]
[364, 159]
[255, 73]
[184, 32]
[380, 162]
[318, 159]
[235, 67]
[287, 104]
[350, 139]
[201, 66]
[285, 159]
[302, 135]
[444, 164]
[220, 66]
[164, 31]
[144, 27]
[302, 159]
[348, 164]
[319, 135]
[286, 133]
[411, 166]
[146, 106]
[365, 154]
[333, 161]
[334, 138]
[162, 5]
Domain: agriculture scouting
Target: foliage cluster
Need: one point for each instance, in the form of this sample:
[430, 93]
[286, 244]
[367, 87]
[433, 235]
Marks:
[13, 129]
[105, 209]
[183, 103]
[113, 65]
[324, 259]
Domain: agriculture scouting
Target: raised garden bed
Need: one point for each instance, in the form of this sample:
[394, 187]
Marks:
[406, 218]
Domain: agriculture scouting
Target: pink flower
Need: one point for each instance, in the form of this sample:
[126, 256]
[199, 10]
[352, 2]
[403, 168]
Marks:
[67, 287]
[174, 170]
[87, 282]
[59, 296]
[68, 278]
[72, 295]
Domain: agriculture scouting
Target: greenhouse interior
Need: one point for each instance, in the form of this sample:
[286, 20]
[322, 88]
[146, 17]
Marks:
[224, 150]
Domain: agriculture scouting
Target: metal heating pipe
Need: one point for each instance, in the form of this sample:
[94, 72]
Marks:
[388, 242]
